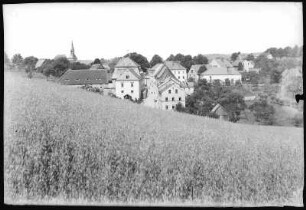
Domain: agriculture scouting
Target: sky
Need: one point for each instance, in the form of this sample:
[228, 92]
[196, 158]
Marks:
[107, 30]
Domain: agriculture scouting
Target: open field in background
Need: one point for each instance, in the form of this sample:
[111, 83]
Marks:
[62, 143]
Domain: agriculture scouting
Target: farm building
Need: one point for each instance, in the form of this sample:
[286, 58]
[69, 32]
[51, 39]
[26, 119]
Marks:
[78, 78]
[220, 111]
[221, 73]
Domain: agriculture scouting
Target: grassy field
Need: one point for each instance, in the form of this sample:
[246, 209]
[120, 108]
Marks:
[66, 145]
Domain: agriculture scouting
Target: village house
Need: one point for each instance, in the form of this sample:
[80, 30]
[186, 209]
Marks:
[79, 78]
[220, 111]
[127, 79]
[193, 72]
[39, 63]
[164, 90]
[247, 65]
[179, 71]
[221, 73]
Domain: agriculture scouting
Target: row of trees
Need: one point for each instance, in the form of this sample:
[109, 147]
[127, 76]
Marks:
[285, 52]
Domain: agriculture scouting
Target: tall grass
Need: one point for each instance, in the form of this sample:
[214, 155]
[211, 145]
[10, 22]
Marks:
[62, 143]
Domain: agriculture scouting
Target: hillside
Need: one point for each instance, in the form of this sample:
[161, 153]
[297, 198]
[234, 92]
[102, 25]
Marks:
[69, 143]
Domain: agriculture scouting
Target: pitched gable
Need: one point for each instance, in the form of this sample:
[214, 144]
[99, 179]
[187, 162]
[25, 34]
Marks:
[174, 65]
[126, 62]
[128, 75]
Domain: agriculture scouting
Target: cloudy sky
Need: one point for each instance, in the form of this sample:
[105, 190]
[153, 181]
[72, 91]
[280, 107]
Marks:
[113, 29]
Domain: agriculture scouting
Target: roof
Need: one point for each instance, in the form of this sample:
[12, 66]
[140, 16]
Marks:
[174, 65]
[196, 67]
[39, 63]
[218, 109]
[162, 72]
[82, 77]
[236, 62]
[168, 82]
[126, 62]
[220, 71]
[105, 65]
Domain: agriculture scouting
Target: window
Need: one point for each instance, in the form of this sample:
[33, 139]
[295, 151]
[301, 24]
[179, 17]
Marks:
[191, 71]
[179, 77]
[183, 77]
[176, 91]
[127, 76]
[169, 91]
[180, 98]
[166, 99]
[132, 84]
[122, 84]
[172, 98]
[166, 106]
[132, 91]
[122, 91]
[77, 79]
[66, 79]
[179, 72]
[172, 107]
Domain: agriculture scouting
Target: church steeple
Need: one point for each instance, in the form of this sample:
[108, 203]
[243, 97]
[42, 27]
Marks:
[72, 57]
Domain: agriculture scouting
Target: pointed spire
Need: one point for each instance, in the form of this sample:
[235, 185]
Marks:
[72, 47]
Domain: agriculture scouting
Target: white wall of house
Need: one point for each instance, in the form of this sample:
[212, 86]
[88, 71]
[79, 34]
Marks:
[210, 78]
[131, 88]
[181, 75]
[172, 96]
[247, 65]
[192, 74]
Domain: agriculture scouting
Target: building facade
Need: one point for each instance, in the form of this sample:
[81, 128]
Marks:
[179, 71]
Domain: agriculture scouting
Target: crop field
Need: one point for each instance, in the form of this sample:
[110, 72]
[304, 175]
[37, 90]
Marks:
[67, 145]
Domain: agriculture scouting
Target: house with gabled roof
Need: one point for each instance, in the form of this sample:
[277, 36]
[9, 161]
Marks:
[39, 63]
[78, 78]
[127, 79]
[220, 111]
[179, 71]
[164, 90]
[221, 73]
[193, 72]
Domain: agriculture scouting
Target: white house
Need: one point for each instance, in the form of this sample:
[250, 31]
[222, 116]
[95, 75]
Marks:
[179, 71]
[127, 79]
[221, 74]
[164, 90]
[247, 65]
[128, 84]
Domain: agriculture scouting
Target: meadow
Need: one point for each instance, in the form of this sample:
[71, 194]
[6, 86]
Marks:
[68, 145]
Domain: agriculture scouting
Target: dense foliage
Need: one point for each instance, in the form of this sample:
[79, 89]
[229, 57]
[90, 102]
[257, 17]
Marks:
[78, 66]
[207, 95]
[155, 60]
[139, 59]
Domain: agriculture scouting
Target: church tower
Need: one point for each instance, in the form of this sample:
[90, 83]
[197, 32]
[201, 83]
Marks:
[72, 57]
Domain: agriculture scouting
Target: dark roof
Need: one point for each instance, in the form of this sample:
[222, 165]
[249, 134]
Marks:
[82, 77]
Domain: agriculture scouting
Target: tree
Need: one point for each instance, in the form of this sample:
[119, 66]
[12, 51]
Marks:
[139, 59]
[170, 58]
[263, 112]
[200, 59]
[250, 57]
[96, 61]
[201, 70]
[273, 51]
[234, 56]
[250, 77]
[187, 62]
[240, 66]
[78, 66]
[112, 63]
[17, 60]
[29, 63]
[233, 102]
[60, 66]
[155, 60]
[179, 107]
[227, 82]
